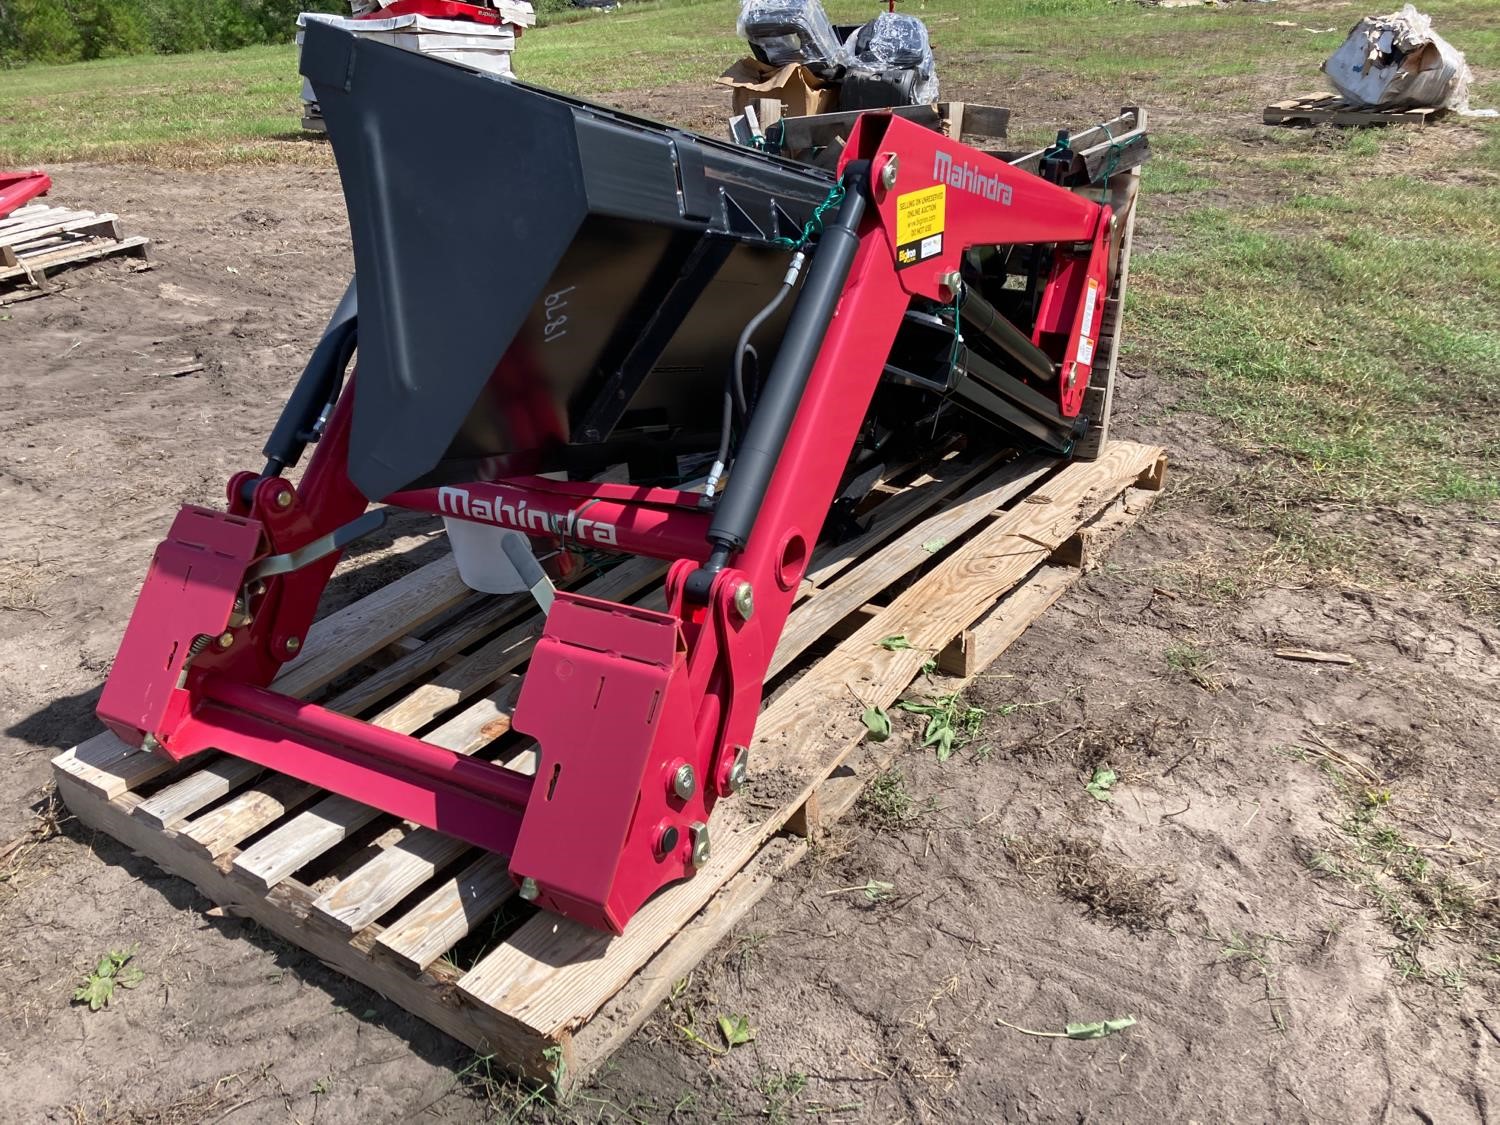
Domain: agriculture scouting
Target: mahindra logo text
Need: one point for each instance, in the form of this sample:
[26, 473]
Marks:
[458, 502]
[967, 178]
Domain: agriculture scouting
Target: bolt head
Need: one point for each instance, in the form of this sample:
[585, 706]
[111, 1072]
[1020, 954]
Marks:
[284, 498]
[952, 281]
[529, 890]
[888, 173]
[744, 601]
[701, 848]
[739, 771]
[225, 640]
[293, 644]
[684, 781]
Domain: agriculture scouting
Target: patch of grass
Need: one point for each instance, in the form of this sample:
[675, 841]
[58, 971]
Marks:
[1080, 871]
[1419, 899]
[782, 1092]
[1478, 592]
[243, 105]
[1168, 175]
[1195, 663]
[885, 804]
[1251, 953]
[1349, 327]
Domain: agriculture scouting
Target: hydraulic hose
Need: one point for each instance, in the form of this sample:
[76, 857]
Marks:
[734, 391]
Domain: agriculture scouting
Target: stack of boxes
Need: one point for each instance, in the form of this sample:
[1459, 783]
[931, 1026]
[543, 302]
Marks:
[481, 36]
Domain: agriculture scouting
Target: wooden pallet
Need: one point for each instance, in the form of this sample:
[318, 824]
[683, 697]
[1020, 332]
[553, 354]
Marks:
[38, 238]
[959, 556]
[1330, 109]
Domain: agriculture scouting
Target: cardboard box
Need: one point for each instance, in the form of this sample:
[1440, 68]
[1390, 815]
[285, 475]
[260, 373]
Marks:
[798, 90]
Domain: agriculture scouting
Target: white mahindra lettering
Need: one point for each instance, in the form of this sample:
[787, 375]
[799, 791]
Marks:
[966, 177]
[458, 502]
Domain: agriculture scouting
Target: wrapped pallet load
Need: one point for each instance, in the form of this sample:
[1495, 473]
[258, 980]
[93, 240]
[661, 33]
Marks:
[786, 32]
[1399, 62]
[481, 36]
[796, 48]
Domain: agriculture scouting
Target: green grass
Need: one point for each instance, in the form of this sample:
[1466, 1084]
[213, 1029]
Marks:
[1349, 327]
[1329, 297]
[233, 105]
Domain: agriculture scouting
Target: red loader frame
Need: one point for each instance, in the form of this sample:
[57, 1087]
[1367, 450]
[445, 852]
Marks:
[642, 718]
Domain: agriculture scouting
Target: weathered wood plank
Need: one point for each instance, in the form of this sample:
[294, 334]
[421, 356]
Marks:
[894, 514]
[182, 799]
[214, 833]
[457, 636]
[346, 638]
[445, 917]
[283, 912]
[109, 767]
[813, 619]
[386, 879]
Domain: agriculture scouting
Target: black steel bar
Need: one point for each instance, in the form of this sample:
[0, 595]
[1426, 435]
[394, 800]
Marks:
[993, 325]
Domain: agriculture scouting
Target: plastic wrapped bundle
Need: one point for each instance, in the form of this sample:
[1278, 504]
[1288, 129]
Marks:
[1399, 62]
[889, 44]
[893, 40]
[791, 31]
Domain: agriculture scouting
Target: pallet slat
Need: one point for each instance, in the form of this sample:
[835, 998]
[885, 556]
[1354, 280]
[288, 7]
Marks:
[1330, 109]
[445, 917]
[345, 639]
[913, 548]
[259, 807]
[182, 799]
[387, 879]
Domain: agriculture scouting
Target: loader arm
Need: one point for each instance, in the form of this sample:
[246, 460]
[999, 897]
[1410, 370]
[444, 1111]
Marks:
[655, 239]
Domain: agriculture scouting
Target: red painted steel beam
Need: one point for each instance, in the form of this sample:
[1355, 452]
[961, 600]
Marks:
[603, 516]
[475, 800]
[17, 188]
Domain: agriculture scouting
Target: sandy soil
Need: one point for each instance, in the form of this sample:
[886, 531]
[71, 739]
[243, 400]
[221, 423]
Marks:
[1252, 892]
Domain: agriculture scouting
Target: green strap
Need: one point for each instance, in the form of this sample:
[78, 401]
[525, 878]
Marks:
[814, 225]
[1115, 149]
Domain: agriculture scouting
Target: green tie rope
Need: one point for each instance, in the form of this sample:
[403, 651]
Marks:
[814, 225]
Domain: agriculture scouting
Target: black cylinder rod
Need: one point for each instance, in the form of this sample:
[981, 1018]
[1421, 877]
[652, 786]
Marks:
[776, 409]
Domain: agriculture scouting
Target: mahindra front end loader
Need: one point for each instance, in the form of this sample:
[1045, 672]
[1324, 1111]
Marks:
[582, 335]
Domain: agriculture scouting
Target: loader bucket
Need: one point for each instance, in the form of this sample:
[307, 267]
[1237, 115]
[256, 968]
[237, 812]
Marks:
[536, 275]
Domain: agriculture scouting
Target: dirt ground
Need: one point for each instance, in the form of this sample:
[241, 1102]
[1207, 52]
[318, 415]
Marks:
[1291, 885]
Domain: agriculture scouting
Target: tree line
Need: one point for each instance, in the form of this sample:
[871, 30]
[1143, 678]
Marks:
[59, 31]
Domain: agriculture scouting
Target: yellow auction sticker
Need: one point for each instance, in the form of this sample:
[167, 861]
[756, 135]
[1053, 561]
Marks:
[920, 219]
